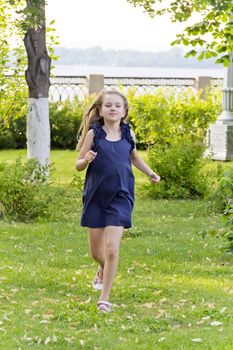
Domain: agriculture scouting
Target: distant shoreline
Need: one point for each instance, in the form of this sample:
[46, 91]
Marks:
[147, 72]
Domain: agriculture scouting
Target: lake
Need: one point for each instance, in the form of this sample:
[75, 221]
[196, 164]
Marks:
[112, 71]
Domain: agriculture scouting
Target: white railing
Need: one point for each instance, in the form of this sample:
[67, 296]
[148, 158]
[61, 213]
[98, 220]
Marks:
[68, 87]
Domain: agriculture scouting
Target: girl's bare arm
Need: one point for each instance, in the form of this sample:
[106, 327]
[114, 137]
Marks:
[86, 155]
[141, 165]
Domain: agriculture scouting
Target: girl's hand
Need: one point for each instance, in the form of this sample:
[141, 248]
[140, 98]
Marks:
[154, 178]
[90, 156]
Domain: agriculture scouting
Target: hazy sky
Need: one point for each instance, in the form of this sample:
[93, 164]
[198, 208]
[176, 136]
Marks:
[113, 24]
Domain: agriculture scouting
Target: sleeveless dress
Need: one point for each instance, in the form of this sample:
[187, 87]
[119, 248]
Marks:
[108, 195]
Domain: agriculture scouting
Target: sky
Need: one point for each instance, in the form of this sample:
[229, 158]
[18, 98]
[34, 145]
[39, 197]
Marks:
[111, 24]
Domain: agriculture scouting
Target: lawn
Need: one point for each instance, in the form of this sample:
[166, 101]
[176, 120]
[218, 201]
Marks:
[173, 289]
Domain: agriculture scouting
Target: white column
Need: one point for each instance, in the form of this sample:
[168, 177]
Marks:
[220, 134]
[226, 116]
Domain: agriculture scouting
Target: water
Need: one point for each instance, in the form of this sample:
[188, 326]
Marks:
[113, 71]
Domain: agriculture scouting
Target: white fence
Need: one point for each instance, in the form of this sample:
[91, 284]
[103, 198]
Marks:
[64, 87]
[68, 87]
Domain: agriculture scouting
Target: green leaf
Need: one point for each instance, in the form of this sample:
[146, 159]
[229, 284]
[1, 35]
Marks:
[191, 53]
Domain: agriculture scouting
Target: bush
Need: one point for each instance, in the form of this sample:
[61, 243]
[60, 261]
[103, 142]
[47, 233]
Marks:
[222, 191]
[24, 194]
[224, 229]
[221, 200]
[65, 120]
[167, 116]
[159, 118]
[149, 117]
[180, 167]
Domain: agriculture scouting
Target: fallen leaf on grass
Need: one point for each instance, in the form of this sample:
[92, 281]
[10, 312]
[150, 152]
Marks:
[223, 310]
[161, 339]
[25, 337]
[129, 317]
[86, 301]
[27, 311]
[157, 292]
[200, 322]
[48, 314]
[37, 340]
[69, 340]
[44, 321]
[148, 305]
[162, 313]
[47, 340]
[163, 300]
[216, 323]
[210, 305]
[197, 340]
[69, 250]
[206, 318]
[177, 326]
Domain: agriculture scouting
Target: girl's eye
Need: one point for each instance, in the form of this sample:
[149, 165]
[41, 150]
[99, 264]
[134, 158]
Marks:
[109, 105]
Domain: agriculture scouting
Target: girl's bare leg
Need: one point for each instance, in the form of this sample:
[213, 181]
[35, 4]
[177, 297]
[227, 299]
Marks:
[96, 244]
[112, 236]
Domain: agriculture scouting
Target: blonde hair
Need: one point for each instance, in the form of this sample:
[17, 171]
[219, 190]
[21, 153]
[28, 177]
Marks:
[93, 116]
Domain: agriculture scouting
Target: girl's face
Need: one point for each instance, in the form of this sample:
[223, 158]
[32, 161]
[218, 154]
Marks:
[112, 108]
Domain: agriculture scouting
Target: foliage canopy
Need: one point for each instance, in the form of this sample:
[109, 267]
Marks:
[213, 32]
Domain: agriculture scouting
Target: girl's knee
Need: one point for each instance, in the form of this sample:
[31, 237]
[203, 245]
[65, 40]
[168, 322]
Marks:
[111, 251]
[97, 255]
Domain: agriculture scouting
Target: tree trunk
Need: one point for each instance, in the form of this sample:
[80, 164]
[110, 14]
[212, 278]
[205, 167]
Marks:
[37, 77]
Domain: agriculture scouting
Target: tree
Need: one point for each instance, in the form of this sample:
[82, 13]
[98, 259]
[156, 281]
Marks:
[29, 15]
[12, 90]
[213, 33]
[37, 77]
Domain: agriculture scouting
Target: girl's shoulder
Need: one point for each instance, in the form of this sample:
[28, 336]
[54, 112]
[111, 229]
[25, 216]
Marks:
[98, 134]
[128, 134]
[97, 130]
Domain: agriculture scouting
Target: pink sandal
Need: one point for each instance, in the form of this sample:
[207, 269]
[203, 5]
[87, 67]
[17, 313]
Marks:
[104, 306]
[98, 280]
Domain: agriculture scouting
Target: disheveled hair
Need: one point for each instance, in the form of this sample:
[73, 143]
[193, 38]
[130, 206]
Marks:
[93, 116]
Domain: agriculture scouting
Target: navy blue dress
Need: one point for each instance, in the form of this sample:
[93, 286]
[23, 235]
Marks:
[108, 195]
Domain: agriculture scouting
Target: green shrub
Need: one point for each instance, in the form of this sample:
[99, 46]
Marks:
[224, 229]
[192, 114]
[7, 140]
[149, 117]
[167, 115]
[180, 167]
[65, 120]
[14, 136]
[163, 117]
[222, 191]
[24, 194]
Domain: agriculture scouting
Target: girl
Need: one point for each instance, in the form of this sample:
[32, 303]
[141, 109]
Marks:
[107, 147]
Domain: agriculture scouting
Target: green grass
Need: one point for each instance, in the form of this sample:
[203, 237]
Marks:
[170, 287]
